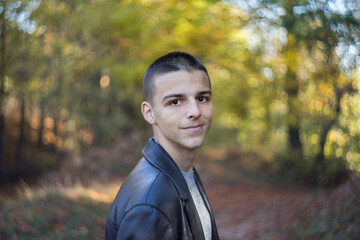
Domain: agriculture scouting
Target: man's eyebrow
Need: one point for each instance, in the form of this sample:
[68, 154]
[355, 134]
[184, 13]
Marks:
[181, 95]
[176, 95]
[204, 92]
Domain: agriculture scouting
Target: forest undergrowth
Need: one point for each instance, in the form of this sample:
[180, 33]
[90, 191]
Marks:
[72, 202]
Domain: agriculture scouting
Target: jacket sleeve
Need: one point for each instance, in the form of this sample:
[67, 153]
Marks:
[145, 222]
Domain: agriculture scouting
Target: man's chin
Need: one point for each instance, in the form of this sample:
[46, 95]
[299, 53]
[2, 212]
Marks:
[194, 144]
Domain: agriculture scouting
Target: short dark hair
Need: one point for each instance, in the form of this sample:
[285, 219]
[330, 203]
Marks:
[171, 62]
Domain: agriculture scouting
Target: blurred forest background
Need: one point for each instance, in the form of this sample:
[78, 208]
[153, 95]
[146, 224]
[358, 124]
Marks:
[285, 79]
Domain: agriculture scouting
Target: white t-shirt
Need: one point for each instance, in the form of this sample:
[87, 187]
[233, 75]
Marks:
[199, 203]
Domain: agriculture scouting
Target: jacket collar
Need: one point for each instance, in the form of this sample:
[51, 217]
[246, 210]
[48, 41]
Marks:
[158, 157]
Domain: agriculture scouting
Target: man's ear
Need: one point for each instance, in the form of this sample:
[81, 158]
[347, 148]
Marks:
[147, 112]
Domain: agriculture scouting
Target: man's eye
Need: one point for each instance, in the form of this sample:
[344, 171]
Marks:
[203, 99]
[175, 102]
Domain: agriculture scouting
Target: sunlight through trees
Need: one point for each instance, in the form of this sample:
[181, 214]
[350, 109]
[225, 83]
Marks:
[285, 77]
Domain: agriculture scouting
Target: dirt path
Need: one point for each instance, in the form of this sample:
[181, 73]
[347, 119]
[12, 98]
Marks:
[254, 212]
[245, 208]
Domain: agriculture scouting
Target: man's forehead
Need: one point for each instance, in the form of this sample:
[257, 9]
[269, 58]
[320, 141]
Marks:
[178, 77]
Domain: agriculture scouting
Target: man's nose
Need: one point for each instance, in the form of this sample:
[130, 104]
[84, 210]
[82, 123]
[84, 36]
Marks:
[193, 110]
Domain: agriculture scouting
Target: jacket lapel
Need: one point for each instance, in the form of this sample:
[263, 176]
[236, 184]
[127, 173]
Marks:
[194, 220]
[158, 157]
[200, 186]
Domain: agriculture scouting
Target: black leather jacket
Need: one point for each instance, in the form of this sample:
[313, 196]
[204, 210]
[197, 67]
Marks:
[155, 203]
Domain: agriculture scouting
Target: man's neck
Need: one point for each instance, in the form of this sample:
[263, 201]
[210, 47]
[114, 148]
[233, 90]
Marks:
[184, 158]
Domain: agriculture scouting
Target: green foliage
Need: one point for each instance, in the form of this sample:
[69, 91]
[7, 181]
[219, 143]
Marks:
[284, 75]
[308, 84]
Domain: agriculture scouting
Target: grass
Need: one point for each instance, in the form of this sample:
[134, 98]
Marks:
[79, 210]
[75, 212]
[333, 215]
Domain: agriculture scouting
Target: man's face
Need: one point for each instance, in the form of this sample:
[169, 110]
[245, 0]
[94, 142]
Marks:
[182, 109]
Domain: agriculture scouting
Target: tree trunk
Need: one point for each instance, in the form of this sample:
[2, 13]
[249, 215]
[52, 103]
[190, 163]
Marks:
[41, 122]
[20, 143]
[2, 90]
[319, 158]
[294, 137]
[323, 136]
[2, 144]
[292, 89]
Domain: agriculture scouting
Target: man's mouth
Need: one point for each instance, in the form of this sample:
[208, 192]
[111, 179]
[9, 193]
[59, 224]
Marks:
[195, 128]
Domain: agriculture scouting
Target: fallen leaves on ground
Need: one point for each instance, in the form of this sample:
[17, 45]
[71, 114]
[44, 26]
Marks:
[244, 208]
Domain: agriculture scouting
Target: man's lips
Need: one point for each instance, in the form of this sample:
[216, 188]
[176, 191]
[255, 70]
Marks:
[194, 128]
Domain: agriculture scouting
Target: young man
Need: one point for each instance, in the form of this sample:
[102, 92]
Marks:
[163, 197]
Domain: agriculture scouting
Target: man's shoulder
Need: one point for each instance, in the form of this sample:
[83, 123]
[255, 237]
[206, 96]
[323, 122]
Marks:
[147, 197]
[146, 185]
